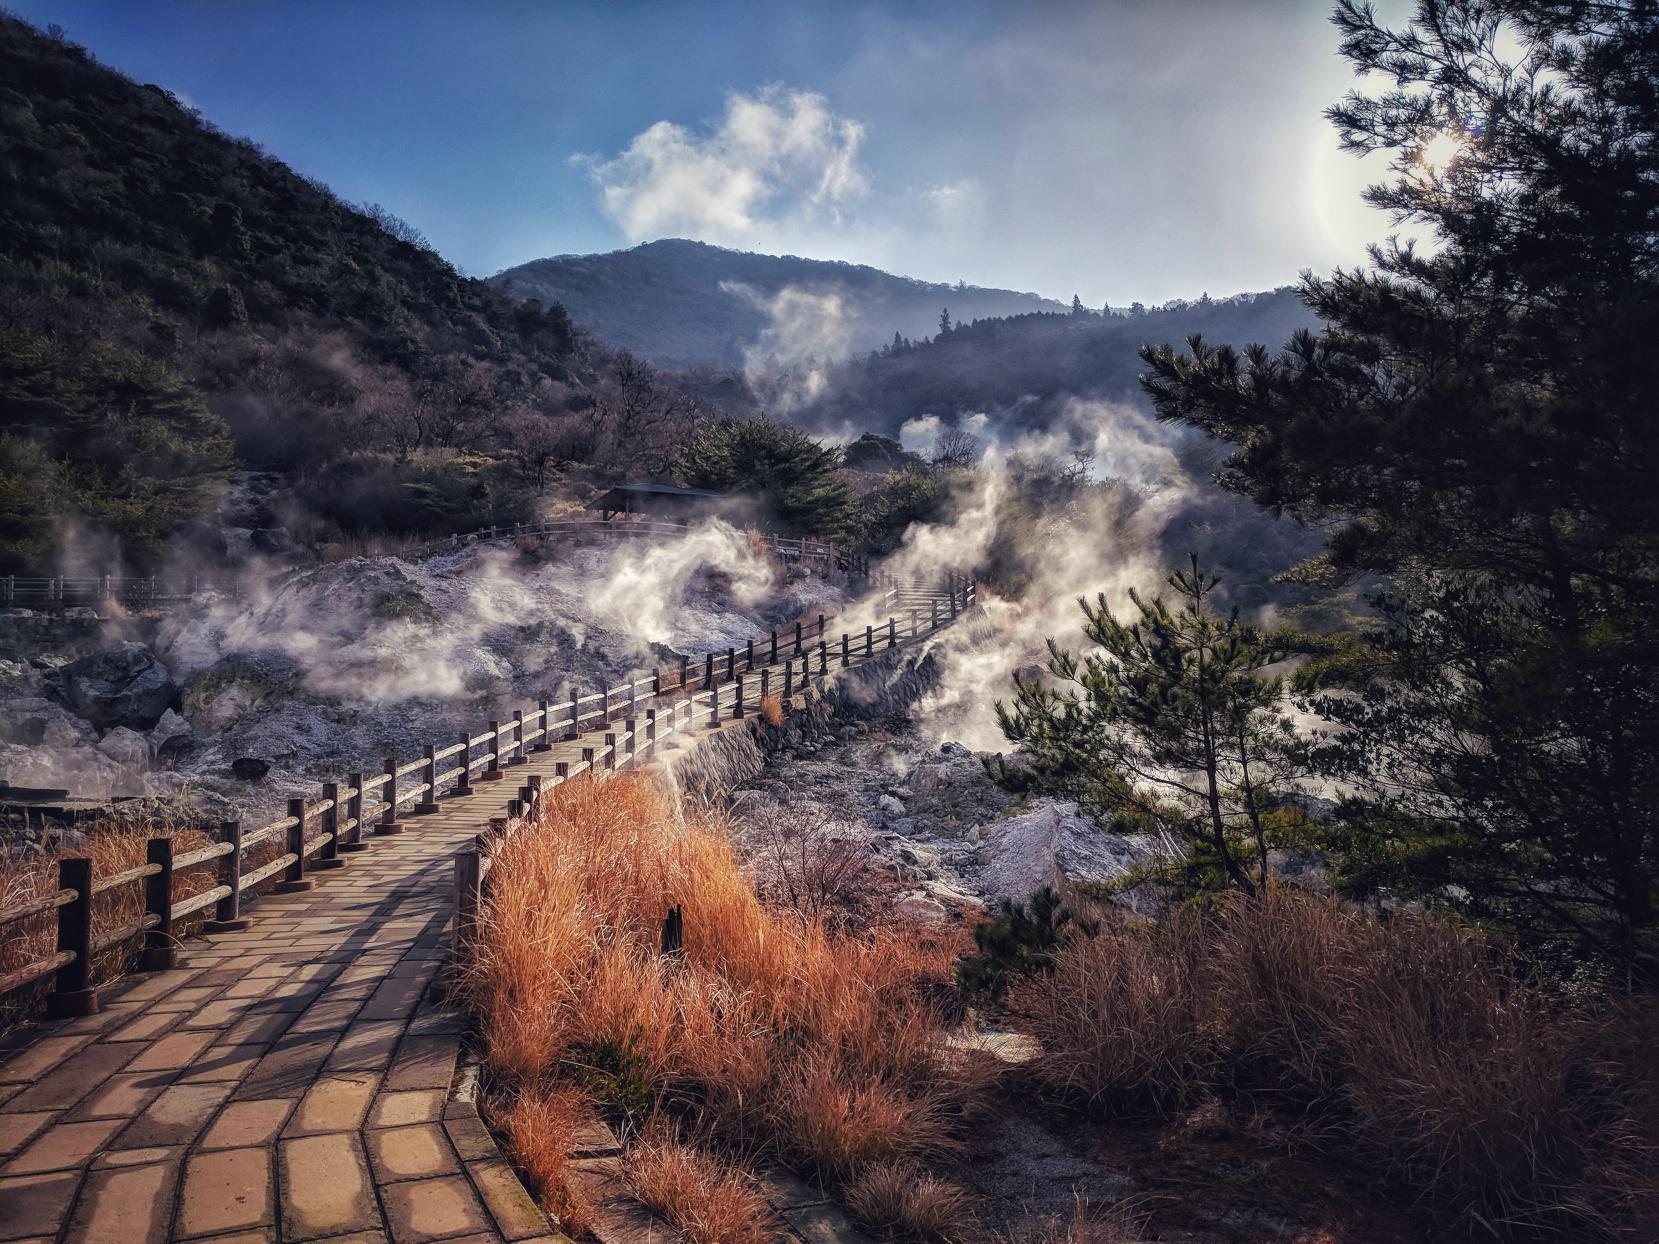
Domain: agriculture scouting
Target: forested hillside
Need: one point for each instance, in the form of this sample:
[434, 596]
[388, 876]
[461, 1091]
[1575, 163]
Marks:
[174, 302]
[688, 304]
[1024, 365]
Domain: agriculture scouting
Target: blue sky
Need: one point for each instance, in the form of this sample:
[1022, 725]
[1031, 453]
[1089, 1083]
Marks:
[1122, 149]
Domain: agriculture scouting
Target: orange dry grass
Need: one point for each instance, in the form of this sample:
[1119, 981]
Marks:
[903, 1201]
[707, 1197]
[541, 1127]
[771, 710]
[769, 1031]
[1511, 1107]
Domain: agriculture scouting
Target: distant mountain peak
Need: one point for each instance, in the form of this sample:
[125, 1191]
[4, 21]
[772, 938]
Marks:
[683, 303]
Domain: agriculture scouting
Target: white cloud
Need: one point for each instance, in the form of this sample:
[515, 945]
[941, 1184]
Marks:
[779, 159]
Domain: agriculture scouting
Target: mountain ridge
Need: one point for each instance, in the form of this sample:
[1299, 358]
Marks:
[673, 300]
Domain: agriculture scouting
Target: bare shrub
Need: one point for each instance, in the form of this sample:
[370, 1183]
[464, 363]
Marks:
[899, 1199]
[1111, 1224]
[1120, 1018]
[799, 866]
[1515, 1110]
[771, 710]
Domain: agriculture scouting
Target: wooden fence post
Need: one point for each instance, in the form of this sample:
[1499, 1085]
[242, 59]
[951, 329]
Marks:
[821, 621]
[789, 679]
[294, 879]
[604, 706]
[869, 641]
[933, 612]
[953, 603]
[388, 792]
[429, 778]
[630, 740]
[892, 632]
[587, 759]
[845, 659]
[673, 932]
[750, 655]
[610, 753]
[737, 706]
[463, 783]
[656, 680]
[650, 734]
[765, 683]
[731, 663]
[468, 876]
[561, 770]
[823, 657]
[160, 952]
[797, 639]
[72, 992]
[492, 772]
[714, 707]
[518, 757]
[773, 659]
[227, 916]
[354, 814]
[708, 671]
[685, 668]
[329, 856]
[546, 737]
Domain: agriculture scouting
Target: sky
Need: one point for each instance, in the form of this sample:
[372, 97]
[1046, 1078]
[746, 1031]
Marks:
[1122, 150]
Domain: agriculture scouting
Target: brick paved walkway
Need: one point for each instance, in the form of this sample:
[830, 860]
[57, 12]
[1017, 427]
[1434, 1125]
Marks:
[292, 1081]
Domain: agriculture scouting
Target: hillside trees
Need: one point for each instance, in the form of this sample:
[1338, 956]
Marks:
[1476, 421]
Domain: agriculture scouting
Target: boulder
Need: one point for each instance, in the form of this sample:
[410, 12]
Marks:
[890, 806]
[126, 747]
[1051, 845]
[171, 734]
[126, 685]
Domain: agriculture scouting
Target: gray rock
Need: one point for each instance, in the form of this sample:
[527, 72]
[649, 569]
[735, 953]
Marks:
[126, 685]
[172, 733]
[126, 747]
[890, 806]
[250, 768]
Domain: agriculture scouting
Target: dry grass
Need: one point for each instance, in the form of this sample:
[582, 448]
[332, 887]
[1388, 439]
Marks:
[771, 1032]
[1112, 1224]
[1418, 1041]
[708, 1198]
[899, 1200]
[113, 847]
[771, 710]
[541, 1126]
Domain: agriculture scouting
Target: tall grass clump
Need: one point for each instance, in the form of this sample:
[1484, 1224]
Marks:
[1424, 1045]
[769, 1032]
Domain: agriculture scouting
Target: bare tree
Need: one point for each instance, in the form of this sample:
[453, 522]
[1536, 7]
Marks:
[956, 448]
[536, 443]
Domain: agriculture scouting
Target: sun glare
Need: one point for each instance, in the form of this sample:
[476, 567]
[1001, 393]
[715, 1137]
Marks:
[1437, 154]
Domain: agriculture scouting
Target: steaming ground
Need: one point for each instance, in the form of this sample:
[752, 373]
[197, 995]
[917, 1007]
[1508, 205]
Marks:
[336, 667]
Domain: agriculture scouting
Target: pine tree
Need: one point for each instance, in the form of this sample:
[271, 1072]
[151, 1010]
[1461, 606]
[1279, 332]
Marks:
[944, 322]
[1173, 727]
[1477, 422]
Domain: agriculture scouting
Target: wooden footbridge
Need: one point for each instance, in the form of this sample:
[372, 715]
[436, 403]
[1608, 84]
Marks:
[276, 1067]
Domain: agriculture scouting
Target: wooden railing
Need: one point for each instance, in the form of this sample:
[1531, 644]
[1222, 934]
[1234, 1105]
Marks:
[314, 834]
[143, 592]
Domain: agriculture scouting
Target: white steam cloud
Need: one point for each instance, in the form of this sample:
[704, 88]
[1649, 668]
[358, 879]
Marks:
[806, 331]
[778, 159]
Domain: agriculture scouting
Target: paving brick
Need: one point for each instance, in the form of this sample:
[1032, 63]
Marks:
[177, 1115]
[394, 998]
[136, 1157]
[36, 1205]
[472, 1140]
[433, 1209]
[423, 1062]
[414, 1106]
[16, 1129]
[123, 1095]
[325, 1187]
[824, 1224]
[289, 1068]
[75, 1077]
[516, 1214]
[334, 1103]
[36, 1059]
[172, 1052]
[366, 1046]
[62, 1146]
[126, 1205]
[223, 1062]
[147, 1026]
[225, 1191]
[417, 1152]
[248, 1123]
